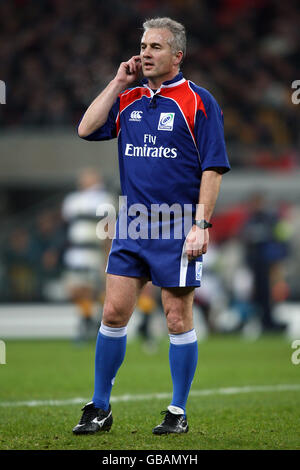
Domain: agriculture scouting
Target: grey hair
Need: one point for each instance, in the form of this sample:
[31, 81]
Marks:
[178, 42]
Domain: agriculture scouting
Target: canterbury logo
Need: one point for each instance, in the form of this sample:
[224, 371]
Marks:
[136, 116]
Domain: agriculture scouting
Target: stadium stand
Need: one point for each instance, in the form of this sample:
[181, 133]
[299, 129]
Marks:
[56, 55]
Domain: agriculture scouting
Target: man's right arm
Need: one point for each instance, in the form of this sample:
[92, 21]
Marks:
[97, 113]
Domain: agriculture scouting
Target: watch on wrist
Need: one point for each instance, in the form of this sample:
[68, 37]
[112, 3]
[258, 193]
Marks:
[202, 224]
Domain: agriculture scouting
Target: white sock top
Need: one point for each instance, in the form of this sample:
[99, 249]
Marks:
[113, 332]
[184, 338]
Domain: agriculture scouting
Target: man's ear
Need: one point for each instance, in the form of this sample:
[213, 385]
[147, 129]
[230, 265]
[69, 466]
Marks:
[178, 57]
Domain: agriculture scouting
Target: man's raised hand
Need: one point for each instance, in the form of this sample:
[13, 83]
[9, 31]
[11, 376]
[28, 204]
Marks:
[129, 71]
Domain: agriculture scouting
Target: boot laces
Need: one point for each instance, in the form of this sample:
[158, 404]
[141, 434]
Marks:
[89, 413]
[170, 418]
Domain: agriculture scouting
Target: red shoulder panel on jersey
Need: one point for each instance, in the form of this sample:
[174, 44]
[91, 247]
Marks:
[188, 101]
[130, 96]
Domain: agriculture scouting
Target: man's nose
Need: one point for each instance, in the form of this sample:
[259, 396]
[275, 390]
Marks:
[146, 52]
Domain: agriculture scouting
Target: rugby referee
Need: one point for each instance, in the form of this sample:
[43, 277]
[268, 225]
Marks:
[171, 151]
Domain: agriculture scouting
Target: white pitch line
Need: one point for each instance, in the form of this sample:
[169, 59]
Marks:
[159, 396]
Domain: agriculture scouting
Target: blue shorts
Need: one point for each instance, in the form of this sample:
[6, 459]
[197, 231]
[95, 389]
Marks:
[160, 260]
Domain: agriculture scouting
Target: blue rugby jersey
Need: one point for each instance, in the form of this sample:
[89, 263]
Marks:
[166, 140]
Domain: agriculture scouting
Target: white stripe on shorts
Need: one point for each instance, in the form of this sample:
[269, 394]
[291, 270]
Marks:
[183, 267]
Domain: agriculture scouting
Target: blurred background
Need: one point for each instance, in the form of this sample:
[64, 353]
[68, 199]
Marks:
[56, 56]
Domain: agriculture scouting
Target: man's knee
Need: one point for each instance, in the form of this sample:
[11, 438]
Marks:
[175, 320]
[113, 316]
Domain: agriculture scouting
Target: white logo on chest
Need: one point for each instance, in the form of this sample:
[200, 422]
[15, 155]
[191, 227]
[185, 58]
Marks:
[136, 116]
[166, 121]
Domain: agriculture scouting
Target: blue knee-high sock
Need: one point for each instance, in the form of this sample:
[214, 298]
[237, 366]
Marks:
[110, 353]
[183, 358]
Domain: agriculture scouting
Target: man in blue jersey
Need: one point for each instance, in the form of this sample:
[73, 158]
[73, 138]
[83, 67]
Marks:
[171, 156]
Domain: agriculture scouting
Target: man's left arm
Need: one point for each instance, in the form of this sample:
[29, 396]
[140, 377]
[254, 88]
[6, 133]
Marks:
[198, 238]
[209, 131]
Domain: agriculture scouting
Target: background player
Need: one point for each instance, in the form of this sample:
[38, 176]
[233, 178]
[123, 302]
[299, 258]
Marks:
[85, 256]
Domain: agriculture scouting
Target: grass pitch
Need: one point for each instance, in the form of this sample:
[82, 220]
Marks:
[60, 370]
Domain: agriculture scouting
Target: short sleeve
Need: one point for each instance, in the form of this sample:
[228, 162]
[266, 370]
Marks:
[108, 130]
[209, 133]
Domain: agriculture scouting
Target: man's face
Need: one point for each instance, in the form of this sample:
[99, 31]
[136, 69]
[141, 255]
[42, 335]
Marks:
[158, 60]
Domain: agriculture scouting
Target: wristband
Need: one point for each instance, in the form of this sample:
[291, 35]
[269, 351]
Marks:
[202, 224]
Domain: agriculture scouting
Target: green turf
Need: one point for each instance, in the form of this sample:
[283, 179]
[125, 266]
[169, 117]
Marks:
[43, 370]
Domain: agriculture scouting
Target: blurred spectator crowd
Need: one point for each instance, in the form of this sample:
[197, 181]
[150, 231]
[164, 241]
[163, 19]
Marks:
[57, 55]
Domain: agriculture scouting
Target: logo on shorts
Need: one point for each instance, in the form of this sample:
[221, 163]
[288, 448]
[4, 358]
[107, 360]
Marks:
[166, 121]
[136, 116]
[198, 270]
